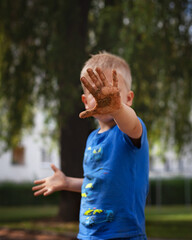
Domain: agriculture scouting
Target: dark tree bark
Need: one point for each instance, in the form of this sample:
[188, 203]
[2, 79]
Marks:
[73, 141]
[73, 131]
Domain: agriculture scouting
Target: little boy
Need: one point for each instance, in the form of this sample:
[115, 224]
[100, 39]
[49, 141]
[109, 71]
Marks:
[116, 161]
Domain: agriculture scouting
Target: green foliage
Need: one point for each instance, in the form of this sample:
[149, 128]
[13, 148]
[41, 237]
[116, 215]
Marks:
[158, 49]
[171, 191]
[41, 59]
[155, 39]
[17, 79]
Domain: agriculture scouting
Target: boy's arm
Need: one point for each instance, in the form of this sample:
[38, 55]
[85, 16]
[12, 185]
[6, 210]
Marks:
[74, 184]
[128, 121]
[57, 182]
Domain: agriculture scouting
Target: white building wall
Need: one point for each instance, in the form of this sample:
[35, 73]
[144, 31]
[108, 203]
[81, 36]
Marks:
[33, 167]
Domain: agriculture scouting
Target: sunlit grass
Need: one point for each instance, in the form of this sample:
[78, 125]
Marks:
[15, 214]
[35, 218]
[170, 222]
[172, 213]
[56, 227]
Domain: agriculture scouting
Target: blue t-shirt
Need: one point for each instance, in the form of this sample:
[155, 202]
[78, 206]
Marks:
[115, 186]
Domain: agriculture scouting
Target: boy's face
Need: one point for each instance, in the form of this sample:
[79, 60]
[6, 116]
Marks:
[126, 95]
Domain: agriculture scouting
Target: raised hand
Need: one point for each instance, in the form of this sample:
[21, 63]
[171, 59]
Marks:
[106, 94]
[47, 186]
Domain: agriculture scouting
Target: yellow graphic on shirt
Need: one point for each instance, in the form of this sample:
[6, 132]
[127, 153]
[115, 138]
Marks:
[97, 151]
[91, 211]
[97, 211]
[89, 185]
[83, 195]
[88, 212]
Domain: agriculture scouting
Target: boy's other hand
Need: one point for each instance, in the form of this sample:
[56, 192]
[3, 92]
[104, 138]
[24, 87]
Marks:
[49, 185]
[106, 94]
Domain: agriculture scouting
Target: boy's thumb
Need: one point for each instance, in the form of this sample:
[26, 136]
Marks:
[87, 113]
[55, 169]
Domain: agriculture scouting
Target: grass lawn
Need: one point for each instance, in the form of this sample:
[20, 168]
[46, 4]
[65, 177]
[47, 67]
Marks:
[17, 214]
[174, 222]
[42, 218]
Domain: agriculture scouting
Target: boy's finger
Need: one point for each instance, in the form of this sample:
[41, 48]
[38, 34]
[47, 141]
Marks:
[87, 113]
[39, 181]
[48, 192]
[94, 78]
[115, 79]
[55, 169]
[102, 77]
[38, 187]
[40, 192]
[89, 87]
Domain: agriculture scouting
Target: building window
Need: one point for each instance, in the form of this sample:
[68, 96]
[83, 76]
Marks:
[45, 156]
[18, 155]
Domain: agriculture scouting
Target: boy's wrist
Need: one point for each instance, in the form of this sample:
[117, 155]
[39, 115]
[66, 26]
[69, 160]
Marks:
[66, 184]
[116, 113]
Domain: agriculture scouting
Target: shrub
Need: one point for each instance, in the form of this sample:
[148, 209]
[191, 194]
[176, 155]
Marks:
[170, 191]
[17, 194]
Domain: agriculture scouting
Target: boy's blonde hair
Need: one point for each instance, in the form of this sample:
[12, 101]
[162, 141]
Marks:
[105, 61]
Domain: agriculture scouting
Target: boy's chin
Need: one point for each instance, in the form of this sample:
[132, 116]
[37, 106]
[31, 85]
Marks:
[104, 118]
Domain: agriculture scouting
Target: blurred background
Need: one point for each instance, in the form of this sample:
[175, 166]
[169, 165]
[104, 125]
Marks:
[43, 46]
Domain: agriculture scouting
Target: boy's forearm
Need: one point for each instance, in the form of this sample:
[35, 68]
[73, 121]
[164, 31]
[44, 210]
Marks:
[74, 184]
[128, 121]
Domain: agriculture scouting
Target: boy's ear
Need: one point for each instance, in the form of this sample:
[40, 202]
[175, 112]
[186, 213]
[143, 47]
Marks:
[130, 97]
[84, 100]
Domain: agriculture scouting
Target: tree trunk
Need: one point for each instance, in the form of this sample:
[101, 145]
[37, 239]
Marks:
[73, 130]
[73, 141]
